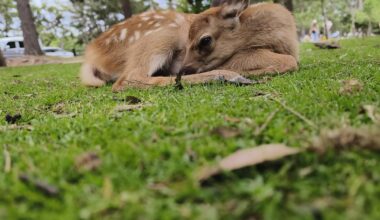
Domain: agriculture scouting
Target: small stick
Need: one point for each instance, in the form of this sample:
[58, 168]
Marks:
[45, 188]
[7, 160]
[294, 112]
[178, 85]
[260, 129]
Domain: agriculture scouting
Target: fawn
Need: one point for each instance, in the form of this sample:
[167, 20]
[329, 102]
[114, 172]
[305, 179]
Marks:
[150, 48]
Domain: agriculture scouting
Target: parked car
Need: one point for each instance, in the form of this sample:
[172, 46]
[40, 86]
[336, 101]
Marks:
[57, 52]
[14, 47]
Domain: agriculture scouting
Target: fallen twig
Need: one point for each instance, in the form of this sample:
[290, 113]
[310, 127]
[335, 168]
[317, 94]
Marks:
[7, 160]
[294, 112]
[16, 127]
[178, 85]
[43, 187]
[260, 129]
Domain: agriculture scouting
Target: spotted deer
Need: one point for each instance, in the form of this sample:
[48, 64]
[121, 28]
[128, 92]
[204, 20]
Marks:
[228, 42]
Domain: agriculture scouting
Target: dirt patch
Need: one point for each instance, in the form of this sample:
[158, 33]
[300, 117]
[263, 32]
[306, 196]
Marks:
[40, 60]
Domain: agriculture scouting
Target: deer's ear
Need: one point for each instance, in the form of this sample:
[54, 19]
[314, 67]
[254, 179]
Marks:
[233, 8]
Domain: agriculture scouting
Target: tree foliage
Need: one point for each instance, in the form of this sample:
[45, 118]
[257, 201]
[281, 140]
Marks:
[370, 12]
[7, 13]
[92, 17]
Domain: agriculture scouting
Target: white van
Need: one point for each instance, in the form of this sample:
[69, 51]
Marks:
[14, 47]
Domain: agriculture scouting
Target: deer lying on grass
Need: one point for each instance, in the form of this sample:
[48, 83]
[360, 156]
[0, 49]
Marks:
[150, 48]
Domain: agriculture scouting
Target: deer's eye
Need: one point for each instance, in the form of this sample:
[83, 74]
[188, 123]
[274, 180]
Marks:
[205, 42]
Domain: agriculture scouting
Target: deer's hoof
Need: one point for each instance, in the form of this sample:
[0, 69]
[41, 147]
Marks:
[239, 80]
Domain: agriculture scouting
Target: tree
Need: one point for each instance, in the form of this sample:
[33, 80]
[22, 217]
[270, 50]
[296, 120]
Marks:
[49, 23]
[369, 14]
[287, 3]
[29, 31]
[92, 17]
[2, 60]
[127, 8]
[7, 12]
[215, 3]
[193, 6]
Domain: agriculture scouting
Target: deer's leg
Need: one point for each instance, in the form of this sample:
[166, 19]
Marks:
[206, 77]
[260, 62]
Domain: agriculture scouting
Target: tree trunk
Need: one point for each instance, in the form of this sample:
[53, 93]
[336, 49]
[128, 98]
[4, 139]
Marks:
[287, 3]
[29, 31]
[170, 5]
[369, 30]
[324, 19]
[127, 9]
[216, 3]
[2, 60]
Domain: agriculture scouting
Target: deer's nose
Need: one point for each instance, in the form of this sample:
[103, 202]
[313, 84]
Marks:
[187, 70]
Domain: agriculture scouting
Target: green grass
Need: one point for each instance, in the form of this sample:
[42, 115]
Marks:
[150, 155]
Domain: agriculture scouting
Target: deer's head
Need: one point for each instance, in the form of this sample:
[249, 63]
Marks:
[213, 37]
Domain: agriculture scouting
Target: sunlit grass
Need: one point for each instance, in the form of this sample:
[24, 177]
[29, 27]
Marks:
[149, 155]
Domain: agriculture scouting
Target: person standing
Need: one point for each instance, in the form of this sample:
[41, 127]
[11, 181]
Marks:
[329, 25]
[314, 31]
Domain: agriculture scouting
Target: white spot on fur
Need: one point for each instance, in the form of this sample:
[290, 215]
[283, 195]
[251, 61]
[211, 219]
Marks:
[158, 29]
[145, 18]
[150, 22]
[114, 37]
[179, 19]
[146, 13]
[121, 23]
[137, 35]
[123, 34]
[131, 39]
[157, 25]
[139, 25]
[158, 17]
[148, 32]
[173, 25]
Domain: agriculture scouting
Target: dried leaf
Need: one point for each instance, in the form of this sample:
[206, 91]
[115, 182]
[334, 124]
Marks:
[107, 188]
[162, 188]
[58, 108]
[232, 119]
[123, 108]
[68, 115]
[88, 161]
[247, 157]
[129, 100]
[226, 132]
[7, 160]
[16, 127]
[371, 112]
[45, 188]
[346, 138]
[12, 119]
[260, 93]
[239, 120]
[350, 86]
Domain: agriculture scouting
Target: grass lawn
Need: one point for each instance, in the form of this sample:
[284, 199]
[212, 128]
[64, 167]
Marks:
[148, 157]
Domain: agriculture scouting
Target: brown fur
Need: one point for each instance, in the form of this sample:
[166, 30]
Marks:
[256, 40]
